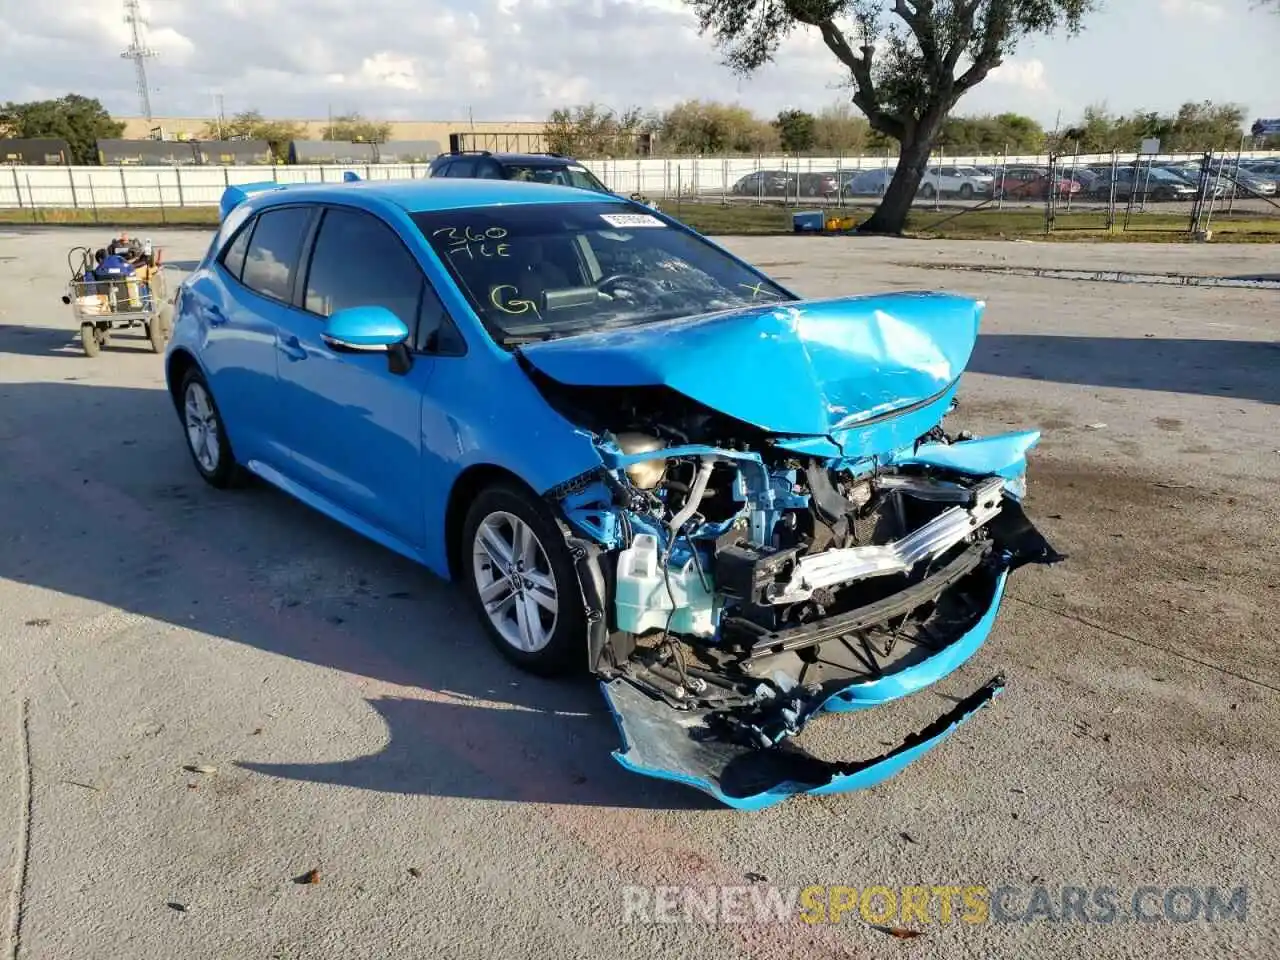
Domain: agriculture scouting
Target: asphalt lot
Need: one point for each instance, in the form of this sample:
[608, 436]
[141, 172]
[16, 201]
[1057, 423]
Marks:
[359, 724]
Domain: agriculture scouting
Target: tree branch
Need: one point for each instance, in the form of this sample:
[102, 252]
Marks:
[865, 89]
[963, 16]
[919, 18]
[995, 29]
[864, 97]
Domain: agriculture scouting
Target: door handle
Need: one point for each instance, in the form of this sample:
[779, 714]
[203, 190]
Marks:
[216, 317]
[292, 348]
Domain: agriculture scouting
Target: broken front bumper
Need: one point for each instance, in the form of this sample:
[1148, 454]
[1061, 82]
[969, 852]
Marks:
[682, 746]
[748, 778]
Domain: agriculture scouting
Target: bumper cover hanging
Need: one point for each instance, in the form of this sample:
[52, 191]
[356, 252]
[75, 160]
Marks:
[750, 778]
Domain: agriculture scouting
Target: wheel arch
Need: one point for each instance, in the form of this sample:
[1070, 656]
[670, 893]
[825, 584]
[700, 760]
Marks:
[176, 366]
[466, 487]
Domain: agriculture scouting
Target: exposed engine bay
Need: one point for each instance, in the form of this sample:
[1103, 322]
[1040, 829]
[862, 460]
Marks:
[735, 579]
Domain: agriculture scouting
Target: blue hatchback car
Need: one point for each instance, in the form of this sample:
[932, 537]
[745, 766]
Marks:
[639, 455]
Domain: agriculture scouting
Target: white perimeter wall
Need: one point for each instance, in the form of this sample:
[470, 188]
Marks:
[89, 187]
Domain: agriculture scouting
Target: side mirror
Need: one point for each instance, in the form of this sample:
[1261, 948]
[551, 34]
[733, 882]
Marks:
[364, 330]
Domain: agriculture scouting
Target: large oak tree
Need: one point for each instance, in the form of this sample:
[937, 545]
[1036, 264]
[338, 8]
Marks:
[909, 61]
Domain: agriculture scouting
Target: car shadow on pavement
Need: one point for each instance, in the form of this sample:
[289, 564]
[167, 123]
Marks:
[113, 511]
[28, 341]
[1240, 369]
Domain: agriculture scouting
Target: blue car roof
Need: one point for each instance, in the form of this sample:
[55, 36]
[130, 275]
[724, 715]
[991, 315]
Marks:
[438, 193]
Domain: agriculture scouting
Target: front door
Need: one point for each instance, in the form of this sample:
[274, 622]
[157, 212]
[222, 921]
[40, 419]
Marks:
[354, 426]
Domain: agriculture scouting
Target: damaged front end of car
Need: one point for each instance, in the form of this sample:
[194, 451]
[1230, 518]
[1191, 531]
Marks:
[786, 533]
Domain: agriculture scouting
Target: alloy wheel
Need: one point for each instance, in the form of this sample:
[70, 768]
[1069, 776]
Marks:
[202, 427]
[515, 582]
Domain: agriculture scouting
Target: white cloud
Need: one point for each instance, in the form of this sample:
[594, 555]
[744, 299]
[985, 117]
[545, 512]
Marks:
[440, 59]
[1192, 9]
[385, 70]
[1028, 75]
[171, 44]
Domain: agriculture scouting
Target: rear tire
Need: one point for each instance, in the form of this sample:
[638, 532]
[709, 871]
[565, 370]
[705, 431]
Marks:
[89, 340]
[521, 578]
[206, 436]
[155, 333]
[165, 318]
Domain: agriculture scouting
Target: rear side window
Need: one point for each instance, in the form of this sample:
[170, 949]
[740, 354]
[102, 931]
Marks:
[272, 260]
[464, 167]
[359, 261]
[233, 258]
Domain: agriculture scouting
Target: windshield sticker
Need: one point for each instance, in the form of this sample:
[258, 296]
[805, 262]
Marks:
[631, 220]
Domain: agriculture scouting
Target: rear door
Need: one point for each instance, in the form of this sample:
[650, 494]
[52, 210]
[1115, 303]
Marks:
[353, 425]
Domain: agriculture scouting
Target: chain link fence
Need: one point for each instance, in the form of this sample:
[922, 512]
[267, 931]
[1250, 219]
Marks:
[1076, 191]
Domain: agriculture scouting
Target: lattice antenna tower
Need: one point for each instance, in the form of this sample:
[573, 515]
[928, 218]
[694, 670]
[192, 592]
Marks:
[139, 53]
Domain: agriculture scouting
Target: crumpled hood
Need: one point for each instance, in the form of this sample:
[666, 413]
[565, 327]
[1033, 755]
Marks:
[801, 368]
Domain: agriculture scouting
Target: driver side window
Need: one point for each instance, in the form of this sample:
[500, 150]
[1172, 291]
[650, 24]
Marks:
[359, 261]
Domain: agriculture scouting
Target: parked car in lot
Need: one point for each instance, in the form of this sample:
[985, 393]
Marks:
[641, 457]
[550, 168]
[1143, 183]
[1267, 169]
[868, 183]
[819, 184]
[963, 182]
[1032, 183]
[1085, 176]
[767, 183]
[536, 167]
[1253, 181]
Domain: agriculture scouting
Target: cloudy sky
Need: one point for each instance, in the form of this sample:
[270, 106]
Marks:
[517, 59]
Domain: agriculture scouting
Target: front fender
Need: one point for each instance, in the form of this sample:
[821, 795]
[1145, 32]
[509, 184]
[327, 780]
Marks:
[507, 425]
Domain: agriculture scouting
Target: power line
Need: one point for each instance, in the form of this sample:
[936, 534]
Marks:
[139, 53]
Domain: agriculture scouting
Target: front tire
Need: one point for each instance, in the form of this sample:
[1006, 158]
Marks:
[206, 435]
[520, 575]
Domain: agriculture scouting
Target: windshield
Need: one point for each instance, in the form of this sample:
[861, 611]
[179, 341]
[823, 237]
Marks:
[572, 175]
[536, 271]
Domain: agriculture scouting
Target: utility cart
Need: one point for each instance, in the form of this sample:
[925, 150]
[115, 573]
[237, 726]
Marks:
[118, 287]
